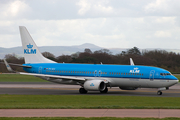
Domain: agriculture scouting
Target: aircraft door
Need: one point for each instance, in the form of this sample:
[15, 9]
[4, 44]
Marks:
[40, 70]
[151, 75]
[100, 73]
[95, 73]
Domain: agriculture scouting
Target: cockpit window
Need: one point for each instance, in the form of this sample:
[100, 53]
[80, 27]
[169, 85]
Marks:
[164, 74]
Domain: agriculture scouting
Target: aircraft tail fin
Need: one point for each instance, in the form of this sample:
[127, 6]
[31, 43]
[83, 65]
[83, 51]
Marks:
[31, 51]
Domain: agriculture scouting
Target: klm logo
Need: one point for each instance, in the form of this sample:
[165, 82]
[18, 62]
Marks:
[29, 50]
[135, 70]
[91, 84]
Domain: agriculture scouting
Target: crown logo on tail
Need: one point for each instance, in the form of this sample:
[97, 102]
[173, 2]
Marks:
[29, 46]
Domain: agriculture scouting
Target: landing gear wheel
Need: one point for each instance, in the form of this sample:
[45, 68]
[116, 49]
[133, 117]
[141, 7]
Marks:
[105, 90]
[82, 91]
[159, 92]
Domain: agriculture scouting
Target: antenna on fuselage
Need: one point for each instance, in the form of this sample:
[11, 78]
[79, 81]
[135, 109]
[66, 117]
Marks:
[131, 61]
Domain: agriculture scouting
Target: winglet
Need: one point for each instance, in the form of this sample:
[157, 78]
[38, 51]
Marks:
[131, 61]
[8, 67]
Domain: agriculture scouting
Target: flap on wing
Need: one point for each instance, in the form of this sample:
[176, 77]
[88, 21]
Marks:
[54, 76]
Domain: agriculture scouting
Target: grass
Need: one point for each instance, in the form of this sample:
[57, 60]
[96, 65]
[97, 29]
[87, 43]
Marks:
[19, 78]
[178, 77]
[82, 118]
[27, 78]
[87, 102]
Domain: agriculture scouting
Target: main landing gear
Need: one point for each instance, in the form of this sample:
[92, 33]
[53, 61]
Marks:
[105, 90]
[159, 92]
[82, 91]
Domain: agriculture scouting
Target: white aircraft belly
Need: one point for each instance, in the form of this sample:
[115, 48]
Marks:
[128, 82]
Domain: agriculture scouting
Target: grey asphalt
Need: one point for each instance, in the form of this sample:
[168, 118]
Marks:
[46, 88]
[24, 88]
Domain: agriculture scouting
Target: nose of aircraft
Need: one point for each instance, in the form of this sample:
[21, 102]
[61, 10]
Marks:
[175, 80]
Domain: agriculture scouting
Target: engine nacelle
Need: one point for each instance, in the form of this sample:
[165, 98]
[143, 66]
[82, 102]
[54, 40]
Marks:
[95, 85]
[128, 88]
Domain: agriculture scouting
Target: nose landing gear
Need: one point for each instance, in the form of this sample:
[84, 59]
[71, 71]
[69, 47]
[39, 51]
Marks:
[159, 92]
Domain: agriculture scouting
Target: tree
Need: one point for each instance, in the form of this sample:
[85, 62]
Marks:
[49, 56]
[64, 58]
[104, 51]
[134, 51]
[87, 50]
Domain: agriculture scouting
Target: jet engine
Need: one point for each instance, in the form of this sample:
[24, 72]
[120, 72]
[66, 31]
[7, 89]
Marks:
[128, 88]
[95, 85]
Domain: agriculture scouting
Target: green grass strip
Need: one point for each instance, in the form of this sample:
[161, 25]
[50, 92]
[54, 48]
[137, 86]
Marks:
[82, 118]
[178, 77]
[19, 78]
[87, 102]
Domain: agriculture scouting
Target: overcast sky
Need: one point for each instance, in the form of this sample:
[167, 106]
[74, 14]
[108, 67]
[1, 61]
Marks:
[106, 23]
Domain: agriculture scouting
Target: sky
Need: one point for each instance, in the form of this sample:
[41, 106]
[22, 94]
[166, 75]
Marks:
[105, 23]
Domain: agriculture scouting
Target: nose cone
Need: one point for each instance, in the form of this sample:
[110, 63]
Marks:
[174, 79]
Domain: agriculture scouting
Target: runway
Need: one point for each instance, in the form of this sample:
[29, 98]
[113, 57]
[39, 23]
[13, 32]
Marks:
[47, 88]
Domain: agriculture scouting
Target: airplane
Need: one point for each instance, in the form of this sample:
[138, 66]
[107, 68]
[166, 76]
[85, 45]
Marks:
[91, 77]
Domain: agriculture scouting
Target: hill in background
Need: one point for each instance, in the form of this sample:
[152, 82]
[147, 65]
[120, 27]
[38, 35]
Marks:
[68, 50]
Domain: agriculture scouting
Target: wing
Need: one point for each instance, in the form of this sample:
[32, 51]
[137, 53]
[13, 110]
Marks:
[55, 76]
